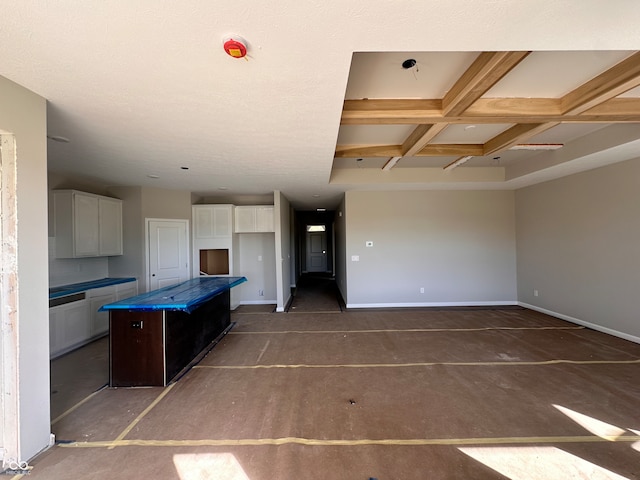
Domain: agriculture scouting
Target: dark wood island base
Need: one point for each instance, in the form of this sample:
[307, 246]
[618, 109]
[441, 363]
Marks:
[150, 344]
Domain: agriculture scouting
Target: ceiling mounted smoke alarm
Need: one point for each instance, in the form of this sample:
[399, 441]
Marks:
[235, 46]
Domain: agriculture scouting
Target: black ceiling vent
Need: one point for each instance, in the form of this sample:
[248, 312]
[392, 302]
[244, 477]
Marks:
[409, 63]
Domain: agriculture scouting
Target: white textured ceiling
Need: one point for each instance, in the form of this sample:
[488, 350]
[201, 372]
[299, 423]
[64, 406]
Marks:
[145, 87]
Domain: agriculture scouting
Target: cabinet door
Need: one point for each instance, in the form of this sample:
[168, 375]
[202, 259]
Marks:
[86, 225]
[69, 325]
[245, 219]
[212, 221]
[100, 320]
[264, 219]
[110, 219]
[126, 290]
[202, 222]
[222, 226]
[54, 331]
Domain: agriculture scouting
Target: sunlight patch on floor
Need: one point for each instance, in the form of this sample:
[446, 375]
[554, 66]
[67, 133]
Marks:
[593, 425]
[208, 466]
[535, 463]
[636, 445]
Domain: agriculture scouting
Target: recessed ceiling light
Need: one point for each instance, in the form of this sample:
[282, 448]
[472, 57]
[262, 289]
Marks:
[469, 127]
[315, 195]
[321, 209]
[153, 176]
[58, 138]
[223, 188]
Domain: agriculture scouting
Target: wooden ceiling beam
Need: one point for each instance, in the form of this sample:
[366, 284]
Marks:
[618, 79]
[516, 134]
[377, 112]
[362, 151]
[420, 137]
[431, 150]
[373, 104]
[489, 110]
[451, 150]
[484, 73]
[622, 107]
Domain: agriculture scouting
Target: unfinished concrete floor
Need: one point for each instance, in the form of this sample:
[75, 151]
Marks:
[407, 394]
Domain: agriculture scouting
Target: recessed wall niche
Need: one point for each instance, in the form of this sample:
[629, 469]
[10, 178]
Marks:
[214, 261]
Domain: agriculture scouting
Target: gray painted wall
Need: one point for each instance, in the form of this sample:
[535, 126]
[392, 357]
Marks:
[131, 262]
[257, 262]
[578, 245]
[457, 245]
[23, 114]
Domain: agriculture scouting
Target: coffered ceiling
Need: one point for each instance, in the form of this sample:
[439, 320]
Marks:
[480, 116]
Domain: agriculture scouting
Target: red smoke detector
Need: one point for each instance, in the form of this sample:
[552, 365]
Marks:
[235, 46]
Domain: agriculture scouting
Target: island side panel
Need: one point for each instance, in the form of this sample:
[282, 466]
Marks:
[187, 334]
[136, 349]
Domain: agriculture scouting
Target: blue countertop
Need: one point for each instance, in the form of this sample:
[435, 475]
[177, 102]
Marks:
[185, 296]
[63, 290]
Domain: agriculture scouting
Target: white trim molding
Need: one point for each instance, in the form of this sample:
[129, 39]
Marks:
[593, 326]
[432, 304]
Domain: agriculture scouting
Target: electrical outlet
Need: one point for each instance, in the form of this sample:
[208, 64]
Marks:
[535, 293]
[261, 293]
[421, 289]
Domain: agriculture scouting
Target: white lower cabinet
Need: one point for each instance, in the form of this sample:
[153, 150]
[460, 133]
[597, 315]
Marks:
[68, 326]
[126, 290]
[97, 298]
[76, 323]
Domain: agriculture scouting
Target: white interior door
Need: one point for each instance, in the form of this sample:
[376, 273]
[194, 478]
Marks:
[168, 252]
[316, 251]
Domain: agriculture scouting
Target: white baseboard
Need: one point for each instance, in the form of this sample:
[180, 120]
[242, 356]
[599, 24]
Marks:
[258, 302]
[593, 326]
[431, 304]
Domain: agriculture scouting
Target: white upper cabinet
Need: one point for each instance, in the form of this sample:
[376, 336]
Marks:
[86, 225]
[110, 228]
[212, 221]
[254, 219]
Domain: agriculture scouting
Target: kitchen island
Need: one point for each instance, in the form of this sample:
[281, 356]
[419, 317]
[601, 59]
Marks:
[156, 335]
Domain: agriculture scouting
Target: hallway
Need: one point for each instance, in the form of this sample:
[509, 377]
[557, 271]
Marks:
[316, 293]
